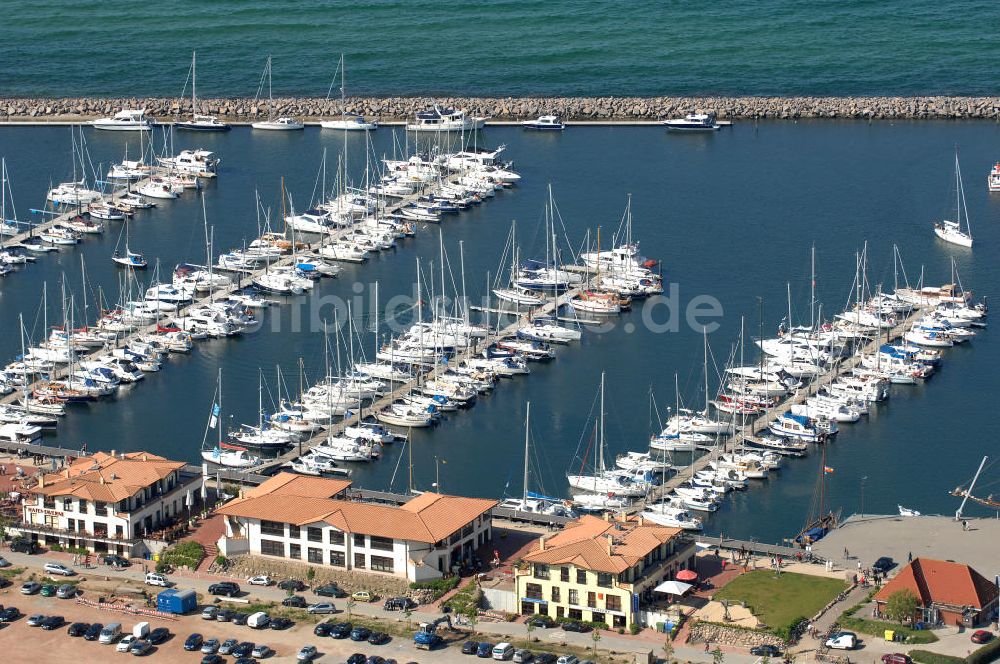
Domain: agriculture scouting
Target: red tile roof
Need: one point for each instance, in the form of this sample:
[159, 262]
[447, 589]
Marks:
[941, 582]
[107, 478]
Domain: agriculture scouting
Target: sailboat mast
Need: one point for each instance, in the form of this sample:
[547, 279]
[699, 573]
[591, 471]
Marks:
[194, 83]
[219, 424]
[527, 423]
[600, 439]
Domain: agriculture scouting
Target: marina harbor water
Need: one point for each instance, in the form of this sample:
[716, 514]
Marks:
[732, 216]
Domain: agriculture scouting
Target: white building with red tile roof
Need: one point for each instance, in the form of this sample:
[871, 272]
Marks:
[311, 520]
[108, 503]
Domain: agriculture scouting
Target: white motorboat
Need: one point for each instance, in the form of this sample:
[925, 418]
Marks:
[545, 123]
[125, 120]
[596, 302]
[159, 188]
[199, 163]
[993, 179]
[906, 511]
[777, 444]
[673, 514]
[520, 296]
[439, 119]
[60, 235]
[595, 502]
[542, 329]
[951, 231]
[405, 416]
[230, 456]
[693, 122]
[129, 170]
[798, 427]
[645, 462]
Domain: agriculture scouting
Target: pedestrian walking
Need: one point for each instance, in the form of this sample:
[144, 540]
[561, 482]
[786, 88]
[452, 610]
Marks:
[847, 555]
[859, 565]
[706, 645]
[909, 557]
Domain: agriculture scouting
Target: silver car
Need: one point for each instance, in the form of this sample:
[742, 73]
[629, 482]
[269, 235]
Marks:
[66, 591]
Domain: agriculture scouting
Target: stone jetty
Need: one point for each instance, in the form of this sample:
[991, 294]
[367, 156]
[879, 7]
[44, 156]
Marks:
[579, 109]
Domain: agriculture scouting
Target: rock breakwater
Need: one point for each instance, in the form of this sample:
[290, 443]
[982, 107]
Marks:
[580, 109]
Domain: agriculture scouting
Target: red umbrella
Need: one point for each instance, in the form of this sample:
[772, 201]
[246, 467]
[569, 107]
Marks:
[687, 575]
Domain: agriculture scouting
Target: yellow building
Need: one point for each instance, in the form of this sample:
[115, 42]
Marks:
[601, 570]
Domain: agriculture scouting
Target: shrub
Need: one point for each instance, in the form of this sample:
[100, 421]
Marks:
[901, 605]
[439, 586]
[928, 657]
[985, 654]
[187, 554]
[633, 629]
[785, 632]
[221, 561]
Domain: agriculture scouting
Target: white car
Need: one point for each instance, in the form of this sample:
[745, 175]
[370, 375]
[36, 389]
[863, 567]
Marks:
[125, 643]
[259, 580]
[59, 569]
[842, 641]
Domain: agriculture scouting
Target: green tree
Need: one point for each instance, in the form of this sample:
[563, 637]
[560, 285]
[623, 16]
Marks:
[668, 651]
[901, 605]
[529, 627]
[351, 602]
[595, 636]
[472, 613]
[718, 656]
[311, 574]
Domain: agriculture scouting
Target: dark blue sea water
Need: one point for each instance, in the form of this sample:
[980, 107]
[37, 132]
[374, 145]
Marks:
[505, 47]
[732, 215]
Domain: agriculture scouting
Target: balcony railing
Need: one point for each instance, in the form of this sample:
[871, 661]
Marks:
[73, 534]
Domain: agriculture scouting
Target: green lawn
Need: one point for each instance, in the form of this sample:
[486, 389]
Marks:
[777, 600]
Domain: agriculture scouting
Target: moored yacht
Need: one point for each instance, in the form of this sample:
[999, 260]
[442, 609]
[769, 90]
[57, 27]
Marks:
[545, 123]
[125, 120]
[693, 122]
[444, 119]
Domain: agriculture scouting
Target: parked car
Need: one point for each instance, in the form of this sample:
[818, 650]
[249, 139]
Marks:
[4, 562]
[30, 588]
[485, 649]
[362, 596]
[154, 579]
[293, 585]
[9, 614]
[48, 590]
[115, 560]
[209, 646]
[470, 647]
[227, 646]
[260, 580]
[883, 564]
[36, 619]
[765, 650]
[53, 622]
[125, 643]
[576, 626]
[193, 642]
[281, 623]
[225, 615]
[356, 658]
[306, 653]
[322, 629]
[66, 591]
[330, 590]
[842, 641]
[209, 613]
[982, 636]
[158, 636]
[503, 651]
[545, 658]
[240, 618]
[261, 651]
[323, 607]
[141, 647]
[568, 659]
[360, 633]
[58, 569]
[341, 630]
[227, 588]
[523, 656]
[259, 620]
[245, 660]
[896, 658]
[399, 604]
[296, 601]
[22, 545]
[378, 638]
[93, 632]
[78, 629]
[244, 649]
[111, 633]
[212, 659]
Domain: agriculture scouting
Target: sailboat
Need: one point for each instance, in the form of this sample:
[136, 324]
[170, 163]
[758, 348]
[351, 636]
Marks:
[532, 502]
[199, 122]
[951, 231]
[128, 258]
[222, 453]
[273, 123]
[604, 489]
[821, 521]
[347, 121]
